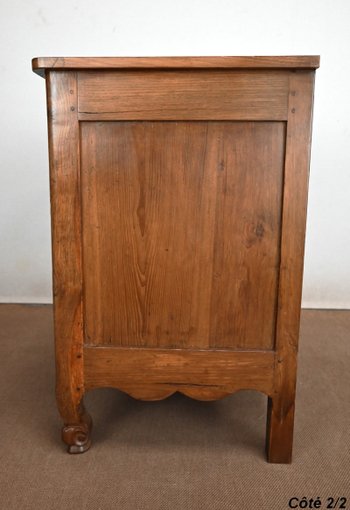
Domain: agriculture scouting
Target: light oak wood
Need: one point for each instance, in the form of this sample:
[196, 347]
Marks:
[179, 95]
[180, 250]
[178, 223]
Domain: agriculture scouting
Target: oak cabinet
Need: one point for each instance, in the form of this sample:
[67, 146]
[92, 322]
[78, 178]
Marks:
[178, 201]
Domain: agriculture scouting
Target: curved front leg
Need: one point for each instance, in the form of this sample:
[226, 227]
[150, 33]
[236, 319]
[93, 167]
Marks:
[64, 143]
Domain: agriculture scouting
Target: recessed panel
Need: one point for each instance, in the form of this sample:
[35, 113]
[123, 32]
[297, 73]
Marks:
[181, 236]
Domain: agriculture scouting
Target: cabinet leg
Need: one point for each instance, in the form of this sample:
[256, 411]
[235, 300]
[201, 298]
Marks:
[279, 430]
[76, 432]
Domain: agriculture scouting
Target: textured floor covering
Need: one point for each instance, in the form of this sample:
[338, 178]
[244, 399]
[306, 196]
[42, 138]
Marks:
[174, 454]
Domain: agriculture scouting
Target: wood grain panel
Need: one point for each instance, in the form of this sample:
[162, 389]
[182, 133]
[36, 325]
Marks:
[247, 237]
[201, 374]
[181, 233]
[183, 95]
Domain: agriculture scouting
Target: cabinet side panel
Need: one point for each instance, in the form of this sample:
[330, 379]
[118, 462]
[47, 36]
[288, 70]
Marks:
[181, 225]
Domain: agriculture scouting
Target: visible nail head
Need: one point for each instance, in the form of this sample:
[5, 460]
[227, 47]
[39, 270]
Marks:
[293, 110]
[71, 91]
[78, 355]
[72, 108]
[78, 389]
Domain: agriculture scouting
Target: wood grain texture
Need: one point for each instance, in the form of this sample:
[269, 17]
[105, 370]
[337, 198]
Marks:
[181, 233]
[281, 405]
[40, 64]
[183, 95]
[66, 249]
[200, 374]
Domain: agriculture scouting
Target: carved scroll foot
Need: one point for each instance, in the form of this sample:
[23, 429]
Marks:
[78, 436]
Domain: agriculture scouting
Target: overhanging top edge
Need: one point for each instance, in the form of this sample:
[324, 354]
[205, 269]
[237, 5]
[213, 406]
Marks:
[41, 64]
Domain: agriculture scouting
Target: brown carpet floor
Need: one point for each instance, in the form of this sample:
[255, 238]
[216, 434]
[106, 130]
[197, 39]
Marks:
[177, 453]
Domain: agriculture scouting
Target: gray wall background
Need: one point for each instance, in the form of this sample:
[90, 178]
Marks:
[165, 27]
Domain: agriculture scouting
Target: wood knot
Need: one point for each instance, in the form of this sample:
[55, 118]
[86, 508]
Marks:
[259, 230]
[221, 166]
[255, 232]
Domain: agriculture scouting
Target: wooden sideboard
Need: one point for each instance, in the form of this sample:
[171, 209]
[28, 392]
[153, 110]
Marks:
[178, 203]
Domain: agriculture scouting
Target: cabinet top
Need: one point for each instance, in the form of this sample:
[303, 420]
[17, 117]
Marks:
[40, 64]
